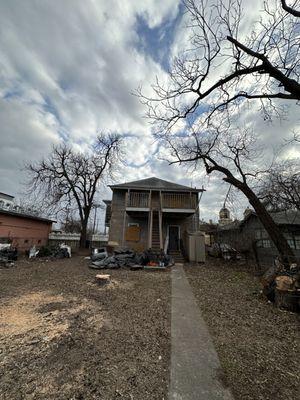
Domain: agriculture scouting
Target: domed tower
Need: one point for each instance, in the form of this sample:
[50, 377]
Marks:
[224, 216]
[247, 212]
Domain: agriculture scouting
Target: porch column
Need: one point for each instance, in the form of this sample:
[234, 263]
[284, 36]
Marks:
[125, 217]
[160, 229]
[150, 220]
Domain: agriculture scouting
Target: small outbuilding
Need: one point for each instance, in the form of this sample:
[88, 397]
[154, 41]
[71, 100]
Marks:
[24, 230]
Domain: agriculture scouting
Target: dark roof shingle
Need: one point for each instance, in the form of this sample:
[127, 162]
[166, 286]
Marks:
[155, 183]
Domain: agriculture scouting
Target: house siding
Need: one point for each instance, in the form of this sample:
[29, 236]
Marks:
[117, 216]
[120, 219]
[24, 232]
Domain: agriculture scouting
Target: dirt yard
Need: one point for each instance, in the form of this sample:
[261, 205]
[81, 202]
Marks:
[258, 344]
[64, 337]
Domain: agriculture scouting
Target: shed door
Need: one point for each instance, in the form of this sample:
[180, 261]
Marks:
[173, 237]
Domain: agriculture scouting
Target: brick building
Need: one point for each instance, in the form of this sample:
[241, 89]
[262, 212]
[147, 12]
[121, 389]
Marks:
[24, 230]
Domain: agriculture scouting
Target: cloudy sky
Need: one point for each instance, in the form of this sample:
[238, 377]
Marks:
[67, 71]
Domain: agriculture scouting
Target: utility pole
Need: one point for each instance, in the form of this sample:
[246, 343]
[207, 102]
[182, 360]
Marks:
[96, 206]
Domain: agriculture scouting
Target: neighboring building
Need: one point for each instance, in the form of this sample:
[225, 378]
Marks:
[152, 213]
[224, 216]
[73, 239]
[6, 200]
[107, 214]
[208, 229]
[250, 237]
[24, 230]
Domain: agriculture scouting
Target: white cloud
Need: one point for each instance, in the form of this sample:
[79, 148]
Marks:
[27, 133]
[67, 71]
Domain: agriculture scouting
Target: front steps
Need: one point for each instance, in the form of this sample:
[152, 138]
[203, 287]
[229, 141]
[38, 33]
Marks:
[155, 233]
[177, 256]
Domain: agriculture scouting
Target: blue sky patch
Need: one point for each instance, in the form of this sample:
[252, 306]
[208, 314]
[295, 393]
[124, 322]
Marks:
[157, 42]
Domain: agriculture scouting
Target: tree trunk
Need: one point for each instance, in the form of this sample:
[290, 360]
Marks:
[268, 223]
[83, 234]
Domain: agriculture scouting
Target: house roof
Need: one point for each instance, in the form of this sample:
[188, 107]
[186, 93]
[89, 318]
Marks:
[288, 217]
[6, 196]
[27, 216]
[155, 183]
[230, 226]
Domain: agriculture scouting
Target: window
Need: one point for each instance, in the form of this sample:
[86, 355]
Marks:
[266, 243]
[294, 242]
[39, 241]
[260, 234]
[133, 224]
[262, 238]
[291, 243]
[26, 241]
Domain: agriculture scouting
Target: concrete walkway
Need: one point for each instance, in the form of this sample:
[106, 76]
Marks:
[195, 367]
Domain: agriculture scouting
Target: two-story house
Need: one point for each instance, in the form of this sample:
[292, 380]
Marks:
[152, 213]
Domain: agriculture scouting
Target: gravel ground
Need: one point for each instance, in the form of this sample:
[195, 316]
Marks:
[258, 344]
[64, 337]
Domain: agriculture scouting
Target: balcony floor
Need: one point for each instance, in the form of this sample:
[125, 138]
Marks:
[137, 209]
[179, 210]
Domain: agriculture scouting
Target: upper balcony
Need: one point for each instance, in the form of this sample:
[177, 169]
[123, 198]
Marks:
[166, 202]
[178, 202]
[138, 201]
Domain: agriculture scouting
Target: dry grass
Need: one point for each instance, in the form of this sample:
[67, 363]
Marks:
[258, 344]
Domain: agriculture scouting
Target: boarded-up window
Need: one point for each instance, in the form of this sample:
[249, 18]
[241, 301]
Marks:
[132, 234]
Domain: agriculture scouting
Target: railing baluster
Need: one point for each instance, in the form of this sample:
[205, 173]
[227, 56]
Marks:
[178, 200]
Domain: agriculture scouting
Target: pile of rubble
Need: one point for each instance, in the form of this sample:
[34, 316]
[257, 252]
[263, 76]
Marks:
[60, 251]
[127, 258]
[282, 285]
[8, 255]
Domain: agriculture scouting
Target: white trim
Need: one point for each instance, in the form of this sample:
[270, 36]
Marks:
[137, 209]
[179, 210]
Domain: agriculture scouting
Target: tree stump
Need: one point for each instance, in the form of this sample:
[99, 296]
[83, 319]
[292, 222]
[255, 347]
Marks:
[102, 279]
[287, 299]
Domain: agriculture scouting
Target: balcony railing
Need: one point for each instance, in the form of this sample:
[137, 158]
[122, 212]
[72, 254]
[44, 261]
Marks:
[138, 200]
[179, 201]
[168, 201]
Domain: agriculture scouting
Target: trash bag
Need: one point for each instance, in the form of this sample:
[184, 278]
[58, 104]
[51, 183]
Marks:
[33, 252]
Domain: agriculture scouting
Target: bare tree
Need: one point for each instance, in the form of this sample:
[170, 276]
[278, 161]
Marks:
[71, 225]
[222, 68]
[220, 72]
[67, 177]
[235, 158]
[280, 190]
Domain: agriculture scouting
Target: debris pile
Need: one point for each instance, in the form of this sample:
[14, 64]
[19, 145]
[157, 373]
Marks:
[98, 254]
[282, 286]
[8, 255]
[223, 250]
[60, 251]
[127, 258]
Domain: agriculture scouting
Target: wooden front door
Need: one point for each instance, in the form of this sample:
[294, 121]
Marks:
[173, 237]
